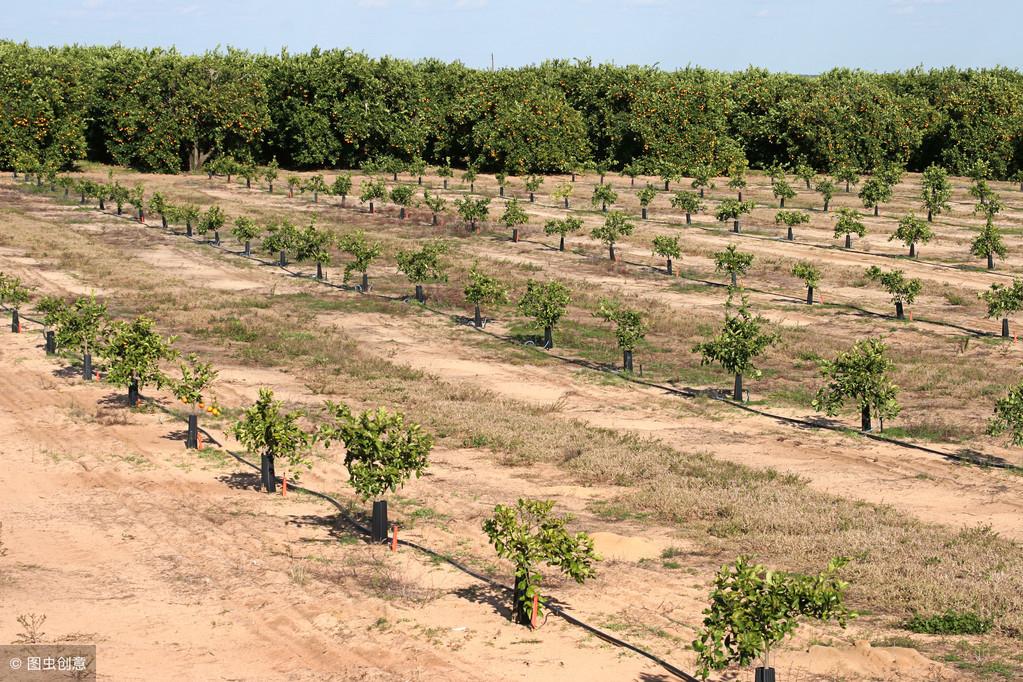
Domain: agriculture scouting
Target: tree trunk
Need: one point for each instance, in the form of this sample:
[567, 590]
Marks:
[865, 418]
[291, 192]
[520, 615]
[192, 437]
[102, 205]
[87, 366]
[248, 183]
[532, 198]
[689, 218]
[737, 389]
[319, 271]
[434, 221]
[763, 674]
[734, 279]
[701, 192]
[501, 190]
[216, 237]
[1005, 327]
[781, 202]
[627, 360]
[930, 216]
[912, 249]
[848, 240]
[566, 202]
[807, 184]
[665, 185]
[371, 207]
[316, 197]
[790, 236]
[548, 337]
[632, 182]
[163, 221]
[643, 210]
[248, 248]
[847, 186]
[188, 228]
[379, 523]
[611, 251]
[899, 312]
[561, 244]
[401, 213]
[809, 296]
[477, 317]
[603, 206]
[282, 258]
[740, 195]
[826, 202]
[51, 342]
[365, 282]
[196, 158]
[445, 183]
[133, 394]
[735, 226]
[876, 210]
[15, 322]
[669, 267]
[267, 473]
[991, 261]
[420, 296]
[515, 234]
[271, 187]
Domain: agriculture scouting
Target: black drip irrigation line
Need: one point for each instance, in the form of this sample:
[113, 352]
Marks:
[972, 458]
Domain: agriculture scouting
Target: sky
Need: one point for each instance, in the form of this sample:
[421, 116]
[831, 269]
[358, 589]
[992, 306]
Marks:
[797, 36]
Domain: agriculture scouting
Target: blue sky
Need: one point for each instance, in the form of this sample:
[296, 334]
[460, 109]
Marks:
[800, 36]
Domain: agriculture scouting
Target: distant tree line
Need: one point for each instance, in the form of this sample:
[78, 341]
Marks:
[160, 110]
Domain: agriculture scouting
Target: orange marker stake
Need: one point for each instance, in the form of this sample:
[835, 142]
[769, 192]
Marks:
[536, 607]
[822, 298]
[910, 315]
[284, 485]
[198, 442]
[394, 539]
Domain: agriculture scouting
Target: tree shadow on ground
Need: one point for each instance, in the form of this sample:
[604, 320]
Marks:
[498, 599]
[240, 480]
[340, 527]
